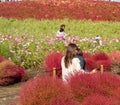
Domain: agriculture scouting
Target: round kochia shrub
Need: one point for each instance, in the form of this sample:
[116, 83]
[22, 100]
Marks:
[97, 99]
[11, 73]
[44, 90]
[90, 64]
[107, 83]
[53, 60]
[100, 56]
[64, 101]
[102, 59]
[87, 55]
[115, 57]
[83, 85]
[116, 93]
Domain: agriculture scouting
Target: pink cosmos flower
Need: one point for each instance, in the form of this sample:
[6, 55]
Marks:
[51, 41]
[17, 40]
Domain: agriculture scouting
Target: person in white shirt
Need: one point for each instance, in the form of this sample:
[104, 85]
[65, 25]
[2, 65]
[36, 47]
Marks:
[61, 32]
[70, 64]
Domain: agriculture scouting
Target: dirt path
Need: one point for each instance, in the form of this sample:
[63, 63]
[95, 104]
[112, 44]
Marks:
[9, 94]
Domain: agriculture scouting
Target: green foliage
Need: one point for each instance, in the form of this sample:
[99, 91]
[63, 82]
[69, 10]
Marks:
[27, 42]
[4, 49]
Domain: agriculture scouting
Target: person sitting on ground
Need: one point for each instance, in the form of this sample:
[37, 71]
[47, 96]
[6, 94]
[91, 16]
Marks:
[61, 32]
[98, 40]
[70, 63]
[82, 59]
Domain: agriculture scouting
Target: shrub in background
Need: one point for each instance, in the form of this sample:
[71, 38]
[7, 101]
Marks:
[115, 57]
[5, 64]
[106, 64]
[90, 64]
[97, 99]
[11, 73]
[53, 60]
[102, 59]
[100, 56]
[44, 90]
[87, 55]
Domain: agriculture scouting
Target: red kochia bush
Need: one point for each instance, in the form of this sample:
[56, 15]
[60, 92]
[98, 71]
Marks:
[90, 64]
[102, 59]
[116, 94]
[106, 64]
[100, 56]
[11, 73]
[44, 90]
[96, 99]
[107, 83]
[64, 101]
[87, 55]
[115, 57]
[53, 60]
[72, 10]
[83, 85]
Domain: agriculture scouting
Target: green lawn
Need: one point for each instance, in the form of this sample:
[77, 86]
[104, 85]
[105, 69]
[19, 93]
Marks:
[73, 27]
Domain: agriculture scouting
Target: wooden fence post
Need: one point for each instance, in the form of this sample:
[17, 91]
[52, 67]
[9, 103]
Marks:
[101, 68]
[54, 72]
